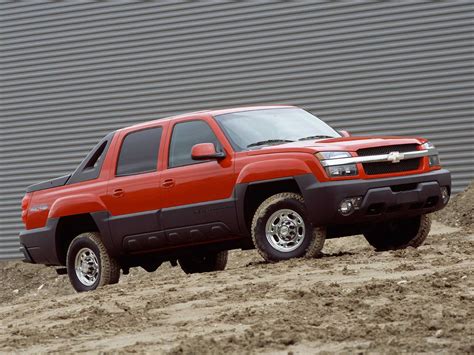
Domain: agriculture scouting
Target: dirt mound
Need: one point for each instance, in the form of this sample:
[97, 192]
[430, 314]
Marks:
[460, 210]
[18, 279]
[353, 299]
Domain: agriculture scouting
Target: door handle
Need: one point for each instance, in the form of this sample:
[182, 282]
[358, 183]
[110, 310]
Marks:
[168, 183]
[118, 193]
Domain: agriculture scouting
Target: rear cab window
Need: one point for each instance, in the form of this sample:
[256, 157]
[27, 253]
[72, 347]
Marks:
[139, 151]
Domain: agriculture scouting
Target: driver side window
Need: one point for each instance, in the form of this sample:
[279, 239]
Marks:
[185, 136]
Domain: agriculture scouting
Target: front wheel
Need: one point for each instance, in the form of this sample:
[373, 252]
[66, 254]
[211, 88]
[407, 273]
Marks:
[281, 229]
[89, 265]
[399, 234]
[212, 261]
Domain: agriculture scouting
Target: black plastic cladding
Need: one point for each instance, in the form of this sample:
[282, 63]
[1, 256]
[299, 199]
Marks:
[374, 191]
[209, 222]
[83, 171]
[44, 185]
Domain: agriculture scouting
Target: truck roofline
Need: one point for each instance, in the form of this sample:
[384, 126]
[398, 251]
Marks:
[210, 112]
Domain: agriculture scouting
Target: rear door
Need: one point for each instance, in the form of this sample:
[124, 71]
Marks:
[134, 193]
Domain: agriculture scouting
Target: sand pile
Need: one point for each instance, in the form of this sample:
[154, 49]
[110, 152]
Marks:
[460, 210]
[351, 300]
[19, 279]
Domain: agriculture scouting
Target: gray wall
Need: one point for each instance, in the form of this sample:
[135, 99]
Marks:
[73, 71]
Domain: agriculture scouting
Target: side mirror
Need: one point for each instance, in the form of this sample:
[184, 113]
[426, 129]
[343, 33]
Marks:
[206, 151]
[344, 133]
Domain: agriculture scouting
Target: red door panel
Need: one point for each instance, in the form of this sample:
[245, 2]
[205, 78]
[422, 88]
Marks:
[140, 191]
[199, 181]
[208, 181]
[135, 193]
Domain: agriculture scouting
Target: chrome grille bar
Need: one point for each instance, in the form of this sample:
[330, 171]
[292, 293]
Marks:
[390, 157]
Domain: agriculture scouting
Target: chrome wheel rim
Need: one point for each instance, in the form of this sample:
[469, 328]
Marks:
[285, 230]
[87, 266]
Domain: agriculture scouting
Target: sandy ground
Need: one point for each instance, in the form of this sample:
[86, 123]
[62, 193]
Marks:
[353, 299]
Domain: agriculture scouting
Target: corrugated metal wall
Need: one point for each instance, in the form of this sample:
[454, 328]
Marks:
[73, 71]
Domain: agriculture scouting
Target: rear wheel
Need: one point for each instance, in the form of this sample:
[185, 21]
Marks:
[399, 234]
[213, 261]
[281, 229]
[89, 265]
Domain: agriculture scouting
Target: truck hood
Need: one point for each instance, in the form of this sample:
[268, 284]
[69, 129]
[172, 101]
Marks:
[348, 144]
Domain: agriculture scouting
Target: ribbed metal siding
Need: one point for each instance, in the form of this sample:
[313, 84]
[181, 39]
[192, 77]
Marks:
[73, 71]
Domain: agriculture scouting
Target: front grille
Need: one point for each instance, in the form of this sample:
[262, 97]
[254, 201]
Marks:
[402, 148]
[389, 167]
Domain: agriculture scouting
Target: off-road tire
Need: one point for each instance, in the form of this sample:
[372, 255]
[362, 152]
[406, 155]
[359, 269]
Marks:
[314, 237]
[399, 234]
[109, 269]
[214, 261]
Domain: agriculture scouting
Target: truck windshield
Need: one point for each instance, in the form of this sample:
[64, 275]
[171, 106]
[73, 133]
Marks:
[257, 128]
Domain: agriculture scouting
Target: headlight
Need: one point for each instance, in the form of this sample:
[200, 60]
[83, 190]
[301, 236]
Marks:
[428, 145]
[342, 170]
[338, 170]
[433, 159]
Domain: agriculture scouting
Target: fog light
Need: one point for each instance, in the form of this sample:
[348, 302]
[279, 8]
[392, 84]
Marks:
[349, 205]
[444, 194]
[346, 208]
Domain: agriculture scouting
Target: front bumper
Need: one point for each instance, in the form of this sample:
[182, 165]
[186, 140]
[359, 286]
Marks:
[382, 199]
[26, 255]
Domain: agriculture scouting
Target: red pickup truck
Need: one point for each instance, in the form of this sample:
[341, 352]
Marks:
[187, 189]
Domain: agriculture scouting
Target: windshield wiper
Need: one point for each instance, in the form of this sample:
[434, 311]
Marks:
[314, 137]
[269, 141]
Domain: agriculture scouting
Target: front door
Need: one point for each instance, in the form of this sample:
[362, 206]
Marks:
[198, 194]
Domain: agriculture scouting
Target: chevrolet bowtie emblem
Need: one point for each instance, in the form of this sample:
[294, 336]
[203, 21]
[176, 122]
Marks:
[395, 157]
